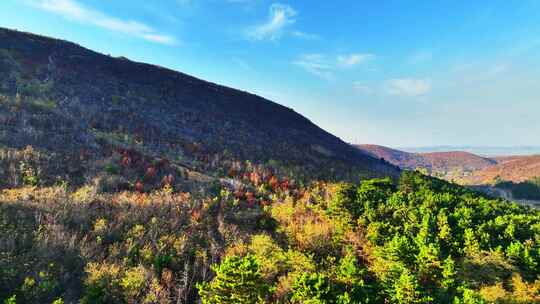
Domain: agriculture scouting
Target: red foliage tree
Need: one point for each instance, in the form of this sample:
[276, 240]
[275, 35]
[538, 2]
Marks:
[274, 182]
[255, 178]
[196, 215]
[150, 173]
[250, 198]
[167, 180]
[126, 161]
[139, 186]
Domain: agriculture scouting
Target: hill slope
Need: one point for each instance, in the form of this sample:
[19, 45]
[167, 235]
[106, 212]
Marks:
[457, 159]
[448, 165]
[399, 158]
[511, 168]
[84, 112]
[463, 167]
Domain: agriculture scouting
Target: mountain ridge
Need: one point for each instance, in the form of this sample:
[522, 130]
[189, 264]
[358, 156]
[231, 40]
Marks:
[433, 160]
[484, 151]
[463, 167]
[513, 168]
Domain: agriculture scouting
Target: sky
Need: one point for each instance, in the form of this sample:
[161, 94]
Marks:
[395, 73]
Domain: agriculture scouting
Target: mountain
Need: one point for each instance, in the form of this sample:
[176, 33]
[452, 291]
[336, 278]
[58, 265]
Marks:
[453, 165]
[486, 151]
[69, 113]
[457, 160]
[462, 167]
[511, 168]
[399, 158]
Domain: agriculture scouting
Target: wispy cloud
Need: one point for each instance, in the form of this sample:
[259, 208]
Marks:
[361, 87]
[73, 10]
[305, 36]
[408, 86]
[280, 17]
[324, 66]
[315, 64]
[351, 60]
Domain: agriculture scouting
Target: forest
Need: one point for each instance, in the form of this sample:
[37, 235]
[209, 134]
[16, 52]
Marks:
[411, 240]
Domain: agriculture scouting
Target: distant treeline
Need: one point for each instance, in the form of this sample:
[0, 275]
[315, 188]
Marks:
[529, 190]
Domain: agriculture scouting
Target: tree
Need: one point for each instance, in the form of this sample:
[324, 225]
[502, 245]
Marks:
[371, 194]
[238, 280]
[469, 297]
[344, 201]
[448, 280]
[406, 289]
[314, 288]
[354, 288]
[448, 273]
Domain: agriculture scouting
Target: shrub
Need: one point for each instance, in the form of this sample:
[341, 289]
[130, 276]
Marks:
[133, 283]
[469, 296]
[30, 177]
[84, 194]
[312, 288]
[111, 169]
[58, 301]
[11, 300]
[115, 99]
[102, 284]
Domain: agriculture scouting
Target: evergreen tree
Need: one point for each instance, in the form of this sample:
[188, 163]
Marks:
[314, 288]
[238, 280]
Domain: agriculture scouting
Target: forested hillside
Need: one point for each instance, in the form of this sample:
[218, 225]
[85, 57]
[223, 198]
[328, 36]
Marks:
[419, 240]
[87, 116]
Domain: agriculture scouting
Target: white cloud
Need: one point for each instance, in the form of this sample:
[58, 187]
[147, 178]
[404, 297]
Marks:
[325, 66]
[362, 88]
[305, 36]
[408, 86]
[71, 9]
[351, 60]
[280, 17]
[315, 64]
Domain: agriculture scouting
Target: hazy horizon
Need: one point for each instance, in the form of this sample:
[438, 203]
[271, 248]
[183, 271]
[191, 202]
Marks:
[479, 150]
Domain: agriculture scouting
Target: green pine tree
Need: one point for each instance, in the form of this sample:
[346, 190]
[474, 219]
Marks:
[238, 280]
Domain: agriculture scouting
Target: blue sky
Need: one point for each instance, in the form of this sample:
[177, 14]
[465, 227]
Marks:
[397, 73]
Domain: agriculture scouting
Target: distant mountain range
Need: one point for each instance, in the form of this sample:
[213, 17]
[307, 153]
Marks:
[461, 166]
[509, 168]
[479, 150]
